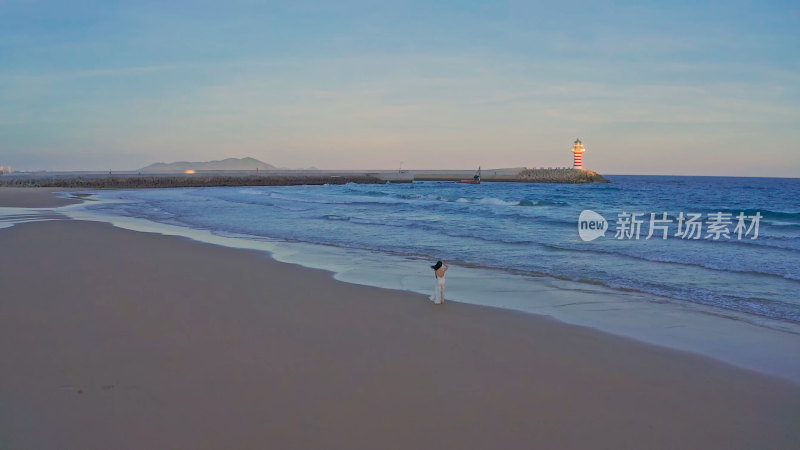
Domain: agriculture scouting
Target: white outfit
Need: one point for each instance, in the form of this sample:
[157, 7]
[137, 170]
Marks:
[438, 291]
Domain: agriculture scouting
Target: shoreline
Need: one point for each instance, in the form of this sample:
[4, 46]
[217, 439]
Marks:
[752, 343]
[161, 339]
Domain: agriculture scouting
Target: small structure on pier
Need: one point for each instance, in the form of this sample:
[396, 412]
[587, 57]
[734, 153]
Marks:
[577, 151]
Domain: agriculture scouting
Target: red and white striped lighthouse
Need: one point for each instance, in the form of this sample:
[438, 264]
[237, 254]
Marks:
[578, 150]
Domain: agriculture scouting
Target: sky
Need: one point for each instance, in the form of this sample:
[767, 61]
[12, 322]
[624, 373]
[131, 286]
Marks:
[673, 87]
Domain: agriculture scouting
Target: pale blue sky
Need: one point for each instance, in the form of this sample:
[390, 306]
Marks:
[659, 88]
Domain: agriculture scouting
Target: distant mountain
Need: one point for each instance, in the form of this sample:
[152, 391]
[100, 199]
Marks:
[225, 164]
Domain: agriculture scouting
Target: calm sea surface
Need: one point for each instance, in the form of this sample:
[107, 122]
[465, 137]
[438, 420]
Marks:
[527, 229]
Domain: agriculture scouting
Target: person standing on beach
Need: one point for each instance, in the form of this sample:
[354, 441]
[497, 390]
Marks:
[438, 291]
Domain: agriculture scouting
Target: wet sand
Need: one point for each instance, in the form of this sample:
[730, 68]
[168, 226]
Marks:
[118, 339]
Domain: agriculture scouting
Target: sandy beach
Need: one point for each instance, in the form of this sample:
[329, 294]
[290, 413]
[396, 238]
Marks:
[119, 339]
[12, 197]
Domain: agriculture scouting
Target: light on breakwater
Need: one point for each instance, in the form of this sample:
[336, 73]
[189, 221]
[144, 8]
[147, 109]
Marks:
[578, 150]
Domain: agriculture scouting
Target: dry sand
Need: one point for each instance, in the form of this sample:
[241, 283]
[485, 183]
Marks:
[32, 198]
[117, 339]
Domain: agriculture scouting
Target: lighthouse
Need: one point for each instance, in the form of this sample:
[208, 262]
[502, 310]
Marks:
[578, 150]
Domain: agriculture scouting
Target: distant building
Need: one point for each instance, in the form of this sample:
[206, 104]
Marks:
[4, 170]
[577, 151]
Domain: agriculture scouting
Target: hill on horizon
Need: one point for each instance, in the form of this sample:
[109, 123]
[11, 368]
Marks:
[224, 164]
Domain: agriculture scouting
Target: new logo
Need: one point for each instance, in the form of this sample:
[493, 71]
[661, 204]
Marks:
[591, 225]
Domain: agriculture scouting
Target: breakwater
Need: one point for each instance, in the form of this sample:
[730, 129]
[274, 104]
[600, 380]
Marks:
[519, 175]
[140, 182]
[135, 180]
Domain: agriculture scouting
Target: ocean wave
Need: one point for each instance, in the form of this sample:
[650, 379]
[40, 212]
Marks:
[671, 260]
[767, 242]
[367, 197]
[768, 308]
[765, 213]
[487, 236]
[542, 203]
[493, 201]
[781, 224]
[532, 228]
[330, 201]
[265, 201]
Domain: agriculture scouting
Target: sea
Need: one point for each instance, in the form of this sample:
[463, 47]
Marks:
[728, 290]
